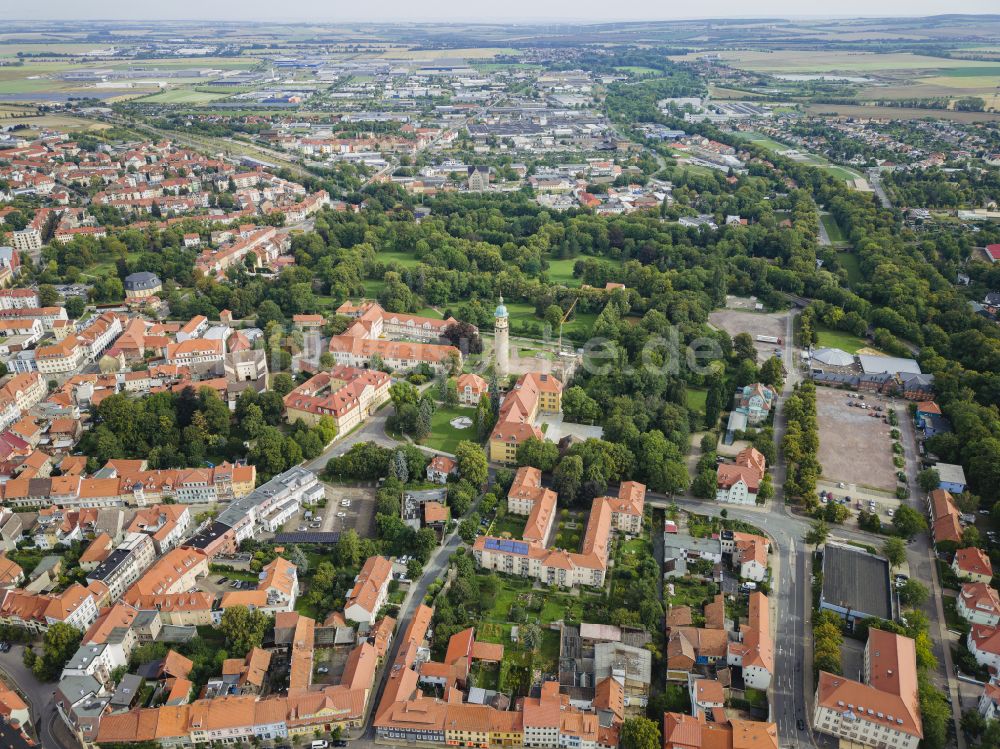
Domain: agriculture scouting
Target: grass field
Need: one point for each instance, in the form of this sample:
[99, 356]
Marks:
[832, 228]
[404, 259]
[561, 271]
[849, 261]
[696, 398]
[443, 435]
[839, 339]
[843, 172]
[637, 70]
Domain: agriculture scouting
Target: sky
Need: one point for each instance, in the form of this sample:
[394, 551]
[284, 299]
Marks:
[566, 11]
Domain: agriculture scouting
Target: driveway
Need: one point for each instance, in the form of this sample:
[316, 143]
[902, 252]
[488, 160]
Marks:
[49, 727]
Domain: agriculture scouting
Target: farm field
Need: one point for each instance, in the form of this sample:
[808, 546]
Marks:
[898, 113]
[807, 61]
[61, 122]
[183, 96]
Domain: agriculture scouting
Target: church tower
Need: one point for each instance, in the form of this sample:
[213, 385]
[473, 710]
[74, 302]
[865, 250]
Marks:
[501, 344]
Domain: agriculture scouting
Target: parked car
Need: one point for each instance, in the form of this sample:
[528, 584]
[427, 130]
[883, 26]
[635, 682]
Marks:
[341, 514]
[323, 670]
[801, 724]
[340, 742]
[223, 580]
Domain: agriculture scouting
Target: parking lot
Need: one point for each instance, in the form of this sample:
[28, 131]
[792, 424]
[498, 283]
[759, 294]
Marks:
[854, 445]
[346, 507]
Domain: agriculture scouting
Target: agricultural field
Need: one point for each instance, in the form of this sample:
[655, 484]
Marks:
[809, 61]
[897, 113]
[183, 96]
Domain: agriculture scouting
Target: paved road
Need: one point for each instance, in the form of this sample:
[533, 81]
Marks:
[875, 180]
[51, 731]
[433, 570]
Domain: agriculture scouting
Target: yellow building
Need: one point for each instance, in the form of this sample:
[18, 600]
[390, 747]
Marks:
[534, 393]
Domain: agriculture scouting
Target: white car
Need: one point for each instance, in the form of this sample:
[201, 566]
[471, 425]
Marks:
[341, 514]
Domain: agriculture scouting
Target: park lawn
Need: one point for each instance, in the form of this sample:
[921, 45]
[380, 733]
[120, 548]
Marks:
[443, 435]
[581, 322]
[695, 399]
[561, 271]
[512, 524]
[373, 287]
[404, 259]
[839, 339]
[842, 172]
[849, 261]
[832, 228]
[429, 312]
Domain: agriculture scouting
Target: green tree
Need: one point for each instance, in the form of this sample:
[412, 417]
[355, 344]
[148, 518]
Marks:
[539, 453]
[817, 534]
[640, 733]
[244, 629]
[895, 551]
[567, 478]
[349, 548]
[472, 463]
[928, 479]
[908, 522]
[60, 642]
[913, 593]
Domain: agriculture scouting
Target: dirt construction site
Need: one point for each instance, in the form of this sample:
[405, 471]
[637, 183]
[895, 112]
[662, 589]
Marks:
[735, 321]
[854, 446]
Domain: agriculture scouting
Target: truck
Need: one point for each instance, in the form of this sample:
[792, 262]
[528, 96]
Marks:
[768, 339]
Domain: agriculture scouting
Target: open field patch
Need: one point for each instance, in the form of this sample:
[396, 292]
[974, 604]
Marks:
[854, 446]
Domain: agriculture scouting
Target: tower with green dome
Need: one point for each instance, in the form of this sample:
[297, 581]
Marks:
[501, 343]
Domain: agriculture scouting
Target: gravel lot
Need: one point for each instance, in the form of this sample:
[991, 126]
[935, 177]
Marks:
[854, 447]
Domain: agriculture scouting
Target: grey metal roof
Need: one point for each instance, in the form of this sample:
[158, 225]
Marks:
[856, 580]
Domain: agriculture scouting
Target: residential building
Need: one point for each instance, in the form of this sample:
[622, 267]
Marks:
[983, 642]
[471, 387]
[370, 591]
[881, 711]
[754, 652]
[978, 603]
[973, 565]
[739, 482]
[348, 395]
[755, 401]
[441, 468]
[123, 566]
[534, 393]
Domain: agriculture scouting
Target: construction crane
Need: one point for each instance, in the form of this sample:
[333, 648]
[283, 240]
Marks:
[564, 319]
